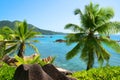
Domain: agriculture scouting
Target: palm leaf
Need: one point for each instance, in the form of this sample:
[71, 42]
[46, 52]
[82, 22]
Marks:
[106, 14]
[109, 27]
[33, 47]
[71, 38]
[75, 50]
[10, 49]
[31, 33]
[74, 27]
[78, 11]
[114, 45]
[101, 52]
[85, 50]
[25, 26]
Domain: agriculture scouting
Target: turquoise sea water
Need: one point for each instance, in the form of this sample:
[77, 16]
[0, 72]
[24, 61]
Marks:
[48, 47]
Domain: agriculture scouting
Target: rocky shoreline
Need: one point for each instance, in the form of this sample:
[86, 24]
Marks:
[36, 72]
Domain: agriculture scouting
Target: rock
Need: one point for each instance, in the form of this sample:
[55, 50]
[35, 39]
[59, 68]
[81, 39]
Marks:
[5, 59]
[30, 72]
[22, 72]
[54, 73]
[9, 60]
[60, 40]
[36, 72]
[70, 78]
[48, 59]
[66, 72]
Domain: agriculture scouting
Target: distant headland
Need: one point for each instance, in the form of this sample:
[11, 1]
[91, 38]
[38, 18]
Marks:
[11, 24]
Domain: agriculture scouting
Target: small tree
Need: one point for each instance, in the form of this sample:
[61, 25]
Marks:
[22, 37]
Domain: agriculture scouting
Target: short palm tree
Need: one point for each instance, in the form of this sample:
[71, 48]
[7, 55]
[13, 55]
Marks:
[92, 35]
[22, 37]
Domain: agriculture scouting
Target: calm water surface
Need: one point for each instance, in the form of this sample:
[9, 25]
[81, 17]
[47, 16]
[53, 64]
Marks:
[48, 47]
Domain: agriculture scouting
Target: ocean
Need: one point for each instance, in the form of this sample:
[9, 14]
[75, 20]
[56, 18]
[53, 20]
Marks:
[48, 47]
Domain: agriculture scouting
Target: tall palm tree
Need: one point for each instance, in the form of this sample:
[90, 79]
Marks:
[92, 35]
[22, 37]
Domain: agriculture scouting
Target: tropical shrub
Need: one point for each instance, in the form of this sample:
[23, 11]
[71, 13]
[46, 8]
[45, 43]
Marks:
[34, 59]
[106, 73]
[6, 72]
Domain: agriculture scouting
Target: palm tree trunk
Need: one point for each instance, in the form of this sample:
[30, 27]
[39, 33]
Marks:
[2, 49]
[21, 50]
[90, 60]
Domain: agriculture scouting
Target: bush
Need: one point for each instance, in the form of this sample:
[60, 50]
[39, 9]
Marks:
[106, 73]
[6, 72]
[34, 60]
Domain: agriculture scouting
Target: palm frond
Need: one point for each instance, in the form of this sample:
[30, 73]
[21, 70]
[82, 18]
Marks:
[75, 50]
[25, 26]
[85, 50]
[11, 49]
[106, 14]
[34, 47]
[108, 28]
[31, 33]
[101, 52]
[78, 11]
[72, 38]
[112, 44]
[74, 27]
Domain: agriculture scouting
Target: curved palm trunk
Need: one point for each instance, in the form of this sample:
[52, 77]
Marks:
[21, 50]
[90, 60]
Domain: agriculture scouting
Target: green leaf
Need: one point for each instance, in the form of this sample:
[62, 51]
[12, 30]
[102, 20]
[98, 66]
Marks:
[8, 50]
[114, 45]
[33, 47]
[74, 51]
[74, 27]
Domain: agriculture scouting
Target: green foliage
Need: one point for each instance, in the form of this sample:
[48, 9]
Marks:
[7, 72]
[34, 59]
[6, 32]
[106, 73]
[29, 60]
[1, 37]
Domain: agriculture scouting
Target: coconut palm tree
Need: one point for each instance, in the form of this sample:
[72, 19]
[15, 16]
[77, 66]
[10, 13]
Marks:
[92, 35]
[22, 37]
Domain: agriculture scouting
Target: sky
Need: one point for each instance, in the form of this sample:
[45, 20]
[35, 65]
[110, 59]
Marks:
[50, 14]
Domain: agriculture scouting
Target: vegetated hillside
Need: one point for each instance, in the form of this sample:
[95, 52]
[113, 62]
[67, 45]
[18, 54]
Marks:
[12, 25]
